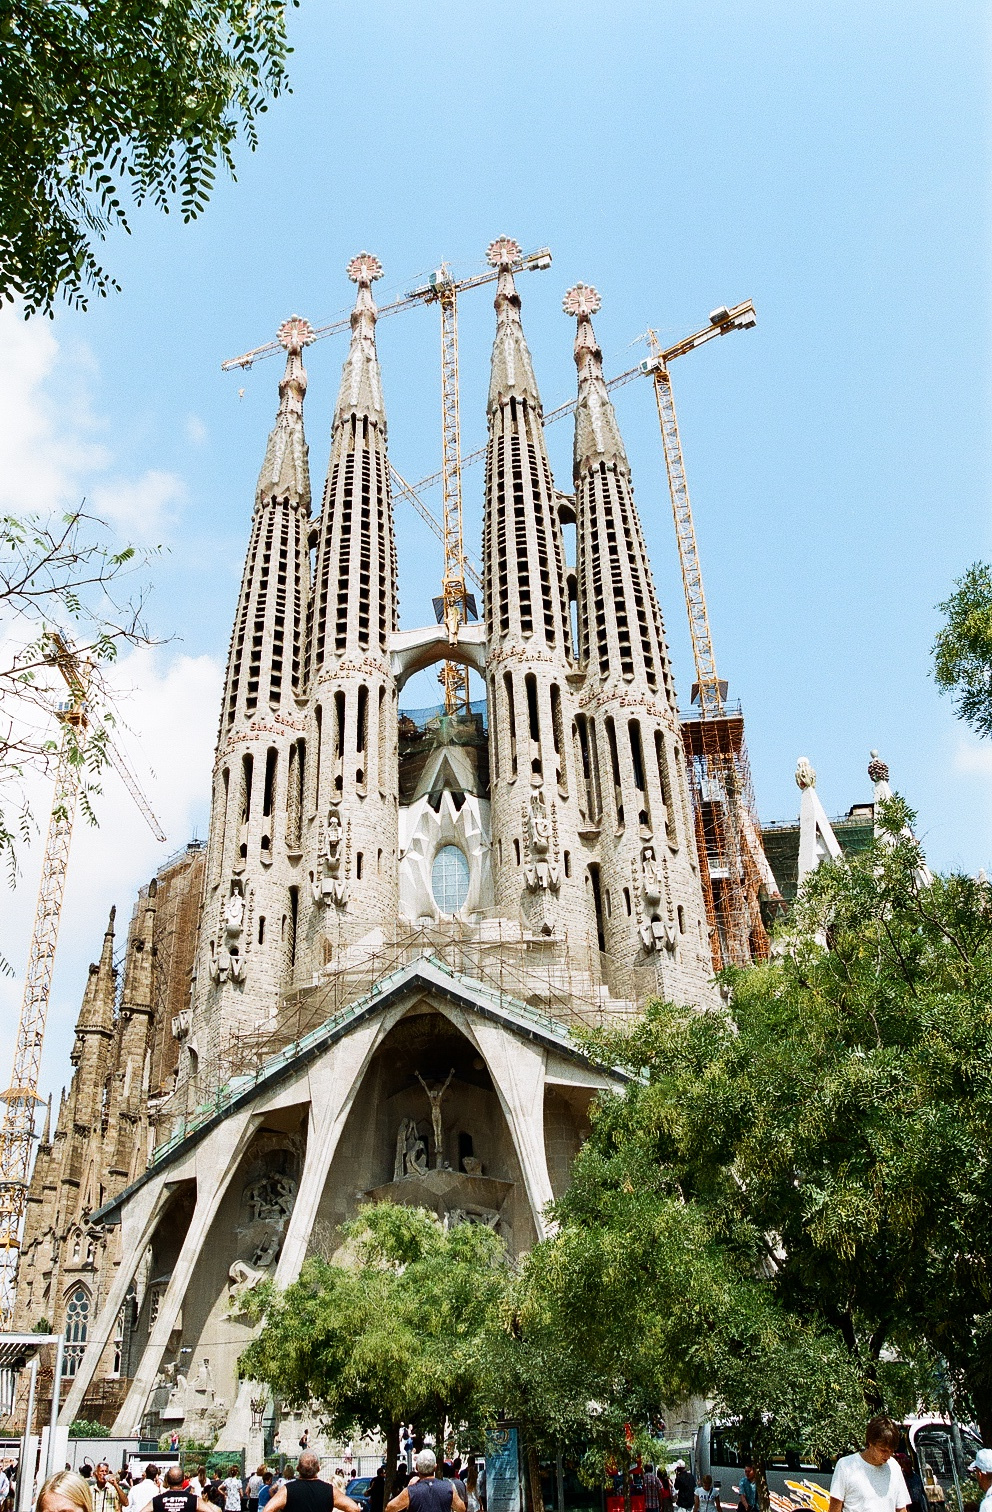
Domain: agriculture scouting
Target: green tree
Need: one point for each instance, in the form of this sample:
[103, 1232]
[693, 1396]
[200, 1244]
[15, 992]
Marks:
[108, 101]
[833, 1127]
[962, 651]
[636, 1301]
[394, 1334]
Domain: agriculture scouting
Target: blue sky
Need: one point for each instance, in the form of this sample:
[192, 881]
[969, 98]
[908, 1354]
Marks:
[829, 161]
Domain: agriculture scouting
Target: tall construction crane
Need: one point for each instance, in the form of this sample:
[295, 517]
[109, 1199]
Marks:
[455, 604]
[728, 835]
[21, 1097]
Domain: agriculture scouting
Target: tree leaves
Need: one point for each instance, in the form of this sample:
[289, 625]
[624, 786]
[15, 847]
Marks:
[108, 101]
[962, 651]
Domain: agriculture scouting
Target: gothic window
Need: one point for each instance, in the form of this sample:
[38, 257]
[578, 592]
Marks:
[450, 879]
[77, 1318]
[119, 1341]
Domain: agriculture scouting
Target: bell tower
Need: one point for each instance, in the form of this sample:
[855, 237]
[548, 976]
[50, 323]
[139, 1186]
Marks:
[644, 879]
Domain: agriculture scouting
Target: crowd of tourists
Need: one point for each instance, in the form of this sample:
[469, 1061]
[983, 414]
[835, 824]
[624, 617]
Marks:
[422, 1486]
[881, 1477]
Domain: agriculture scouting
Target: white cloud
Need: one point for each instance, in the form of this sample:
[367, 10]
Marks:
[51, 455]
[196, 431]
[167, 726]
[54, 451]
[973, 758]
[142, 510]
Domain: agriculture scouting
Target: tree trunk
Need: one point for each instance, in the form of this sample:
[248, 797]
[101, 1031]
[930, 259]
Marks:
[627, 1491]
[392, 1455]
[761, 1486]
[534, 1479]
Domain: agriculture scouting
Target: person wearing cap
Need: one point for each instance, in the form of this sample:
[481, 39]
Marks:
[981, 1469]
[871, 1481]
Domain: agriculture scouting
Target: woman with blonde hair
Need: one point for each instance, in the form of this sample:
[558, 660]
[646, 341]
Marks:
[65, 1491]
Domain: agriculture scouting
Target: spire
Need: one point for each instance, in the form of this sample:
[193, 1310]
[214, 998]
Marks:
[360, 393]
[97, 1010]
[817, 841]
[353, 603]
[46, 1137]
[597, 436]
[285, 474]
[512, 373]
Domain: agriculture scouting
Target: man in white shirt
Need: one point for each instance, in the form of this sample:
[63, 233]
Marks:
[871, 1481]
[145, 1490]
[981, 1469]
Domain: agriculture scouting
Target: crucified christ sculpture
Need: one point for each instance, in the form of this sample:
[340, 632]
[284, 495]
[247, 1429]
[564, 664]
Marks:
[434, 1098]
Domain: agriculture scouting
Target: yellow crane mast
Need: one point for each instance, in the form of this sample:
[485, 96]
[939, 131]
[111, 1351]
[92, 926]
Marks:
[21, 1097]
[728, 836]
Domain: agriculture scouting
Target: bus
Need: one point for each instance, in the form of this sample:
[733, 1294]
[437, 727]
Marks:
[940, 1450]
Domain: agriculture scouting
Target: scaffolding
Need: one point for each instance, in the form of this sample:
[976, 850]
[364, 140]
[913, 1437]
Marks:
[547, 984]
[735, 872]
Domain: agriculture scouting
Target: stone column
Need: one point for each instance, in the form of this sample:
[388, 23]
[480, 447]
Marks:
[224, 1149]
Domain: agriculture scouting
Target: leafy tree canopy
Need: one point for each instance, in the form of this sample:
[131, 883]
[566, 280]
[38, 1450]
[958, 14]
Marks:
[106, 102]
[831, 1133]
[393, 1334]
[962, 651]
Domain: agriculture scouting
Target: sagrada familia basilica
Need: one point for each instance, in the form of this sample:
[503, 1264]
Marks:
[362, 986]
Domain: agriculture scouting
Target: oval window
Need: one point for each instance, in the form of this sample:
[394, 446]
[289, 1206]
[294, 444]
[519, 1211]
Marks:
[449, 879]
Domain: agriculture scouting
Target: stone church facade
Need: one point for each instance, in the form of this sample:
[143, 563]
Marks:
[381, 951]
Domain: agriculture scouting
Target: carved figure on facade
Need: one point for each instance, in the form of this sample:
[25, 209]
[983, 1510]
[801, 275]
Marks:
[270, 1199]
[411, 1151]
[330, 884]
[483, 1217]
[658, 928]
[434, 1096]
[541, 840]
[202, 1383]
[241, 1279]
[227, 958]
[176, 1407]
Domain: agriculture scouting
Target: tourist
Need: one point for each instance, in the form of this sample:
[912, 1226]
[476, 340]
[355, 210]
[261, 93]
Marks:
[253, 1487]
[685, 1486]
[426, 1493]
[747, 1490]
[707, 1498]
[871, 1480]
[177, 1497]
[340, 1479]
[87, 1473]
[981, 1469]
[377, 1490]
[666, 1496]
[144, 1490]
[652, 1489]
[65, 1491]
[106, 1497]
[309, 1494]
[232, 1489]
[265, 1490]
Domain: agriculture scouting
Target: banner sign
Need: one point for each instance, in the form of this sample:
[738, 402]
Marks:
[503, 1488]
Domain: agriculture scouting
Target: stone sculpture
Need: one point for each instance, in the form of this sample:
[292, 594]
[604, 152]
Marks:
[329, 886]
[434, 1096]
[657, 931]
[411, 1151]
